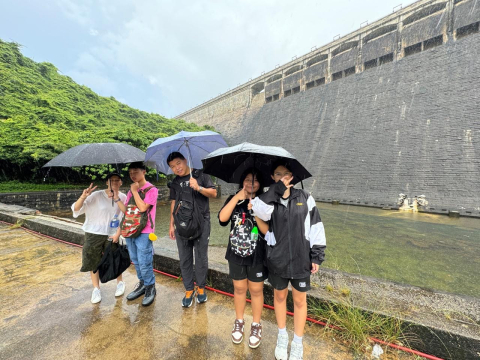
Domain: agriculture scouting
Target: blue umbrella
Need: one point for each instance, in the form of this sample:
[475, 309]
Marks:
[193, 145]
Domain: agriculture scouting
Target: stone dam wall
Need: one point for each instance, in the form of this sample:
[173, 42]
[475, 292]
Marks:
[391, 108]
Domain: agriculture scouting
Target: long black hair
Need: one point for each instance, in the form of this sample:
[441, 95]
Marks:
[256, 175]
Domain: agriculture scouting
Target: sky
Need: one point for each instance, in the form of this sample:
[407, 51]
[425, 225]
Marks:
[166, 57]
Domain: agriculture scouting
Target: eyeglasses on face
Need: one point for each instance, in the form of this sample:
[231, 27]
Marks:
[280, 175]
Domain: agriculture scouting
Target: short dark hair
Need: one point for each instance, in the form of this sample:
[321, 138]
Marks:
[137, 165]
[175, 155]
[257, 175]
[278, 163]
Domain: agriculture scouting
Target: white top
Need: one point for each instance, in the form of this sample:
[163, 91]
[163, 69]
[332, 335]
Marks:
[98, 212]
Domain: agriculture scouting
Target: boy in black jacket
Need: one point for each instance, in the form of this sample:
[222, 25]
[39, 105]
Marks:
[295, 249]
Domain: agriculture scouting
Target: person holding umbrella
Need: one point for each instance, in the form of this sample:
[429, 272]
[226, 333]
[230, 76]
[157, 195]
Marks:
[295, 249]
[98, 210]
[190, 191]
[245, 255]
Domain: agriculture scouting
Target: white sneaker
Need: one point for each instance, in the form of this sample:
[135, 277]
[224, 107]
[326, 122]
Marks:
[96, 296]
[120, 288]
[281, 351]
[296, 351]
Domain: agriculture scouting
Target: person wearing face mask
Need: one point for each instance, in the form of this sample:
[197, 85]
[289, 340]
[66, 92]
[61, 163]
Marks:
[98, 210]
[295, 249]
[245, 255]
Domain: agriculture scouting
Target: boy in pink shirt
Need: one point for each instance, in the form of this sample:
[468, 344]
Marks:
[141, 248]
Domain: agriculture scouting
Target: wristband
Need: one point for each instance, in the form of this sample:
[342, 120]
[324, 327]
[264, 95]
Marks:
[200, 188]
[116, 200]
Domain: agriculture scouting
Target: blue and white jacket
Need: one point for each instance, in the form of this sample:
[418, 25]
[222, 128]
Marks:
[296, 236]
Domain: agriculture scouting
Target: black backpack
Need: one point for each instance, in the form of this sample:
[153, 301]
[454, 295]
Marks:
[187, 216]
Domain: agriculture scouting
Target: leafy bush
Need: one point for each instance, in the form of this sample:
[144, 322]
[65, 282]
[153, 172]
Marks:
[43, 113]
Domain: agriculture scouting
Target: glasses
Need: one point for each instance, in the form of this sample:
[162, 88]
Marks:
[281, 175]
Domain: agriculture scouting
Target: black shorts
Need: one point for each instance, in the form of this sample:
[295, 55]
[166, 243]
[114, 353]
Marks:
[254, 273]
[279, 283]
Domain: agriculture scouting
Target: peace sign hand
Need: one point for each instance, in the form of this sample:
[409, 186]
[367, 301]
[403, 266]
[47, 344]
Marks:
[88, 191]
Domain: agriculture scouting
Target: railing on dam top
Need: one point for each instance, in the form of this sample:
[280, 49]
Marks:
[420, 26]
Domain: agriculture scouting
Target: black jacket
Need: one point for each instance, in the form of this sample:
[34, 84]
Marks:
[296, 230]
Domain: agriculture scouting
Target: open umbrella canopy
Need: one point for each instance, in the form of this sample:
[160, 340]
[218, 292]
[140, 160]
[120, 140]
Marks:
[192, 145]
[96, 154]
[229, 163]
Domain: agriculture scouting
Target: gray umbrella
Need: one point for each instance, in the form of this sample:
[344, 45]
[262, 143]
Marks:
[96, 154]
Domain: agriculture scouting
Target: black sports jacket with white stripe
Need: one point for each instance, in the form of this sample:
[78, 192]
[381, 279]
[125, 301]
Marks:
[296, 236]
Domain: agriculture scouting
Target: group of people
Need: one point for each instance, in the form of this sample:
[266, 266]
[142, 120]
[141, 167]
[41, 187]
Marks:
[276, 235]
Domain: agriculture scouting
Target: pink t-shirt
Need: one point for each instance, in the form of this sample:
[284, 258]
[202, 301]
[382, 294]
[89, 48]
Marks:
[151, 198]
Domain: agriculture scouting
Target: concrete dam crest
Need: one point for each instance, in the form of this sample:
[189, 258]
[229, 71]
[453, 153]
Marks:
[391, 108]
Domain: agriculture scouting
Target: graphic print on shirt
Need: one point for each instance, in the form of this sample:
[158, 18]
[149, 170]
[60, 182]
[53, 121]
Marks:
[241, 240]
[185, 183]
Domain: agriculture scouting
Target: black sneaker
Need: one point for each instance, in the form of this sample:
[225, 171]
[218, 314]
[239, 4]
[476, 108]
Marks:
[187, 300]
[150, 293]
[137, 292]
[201, 295]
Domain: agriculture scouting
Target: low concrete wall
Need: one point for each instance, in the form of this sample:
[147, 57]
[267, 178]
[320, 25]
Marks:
[59, 200]
[56, 200]
[423, 311]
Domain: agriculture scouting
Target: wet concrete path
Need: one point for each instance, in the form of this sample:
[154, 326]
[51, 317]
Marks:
[46, 314]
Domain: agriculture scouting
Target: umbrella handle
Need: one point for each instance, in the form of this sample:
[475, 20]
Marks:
[111, 190]
[189, 157]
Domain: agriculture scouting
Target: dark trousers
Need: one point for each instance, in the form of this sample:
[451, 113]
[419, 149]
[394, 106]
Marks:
[185, 252]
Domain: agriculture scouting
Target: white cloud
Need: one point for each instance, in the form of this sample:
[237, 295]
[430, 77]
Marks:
[153, 80]
[93, 32]
[192, 51]
[78, 11]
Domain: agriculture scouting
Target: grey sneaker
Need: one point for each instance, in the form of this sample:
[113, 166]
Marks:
[237, 331]
[281, 351]
[296, 351]
[255, 336]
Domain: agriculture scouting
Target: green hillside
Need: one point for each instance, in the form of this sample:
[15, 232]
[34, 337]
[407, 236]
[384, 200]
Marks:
[43, 113]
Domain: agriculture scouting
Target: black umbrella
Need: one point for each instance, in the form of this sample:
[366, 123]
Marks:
[229, 163]
[96, 154]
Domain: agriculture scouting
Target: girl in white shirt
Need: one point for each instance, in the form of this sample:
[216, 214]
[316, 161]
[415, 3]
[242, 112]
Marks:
[98, 210]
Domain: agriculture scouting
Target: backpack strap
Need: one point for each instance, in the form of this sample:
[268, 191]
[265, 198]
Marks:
[142, 194]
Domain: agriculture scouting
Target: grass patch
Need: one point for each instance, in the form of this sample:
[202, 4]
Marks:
[16, 186]
[355, 326]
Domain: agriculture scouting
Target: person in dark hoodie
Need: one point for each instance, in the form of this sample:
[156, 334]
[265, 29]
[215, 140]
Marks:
[295, 249]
